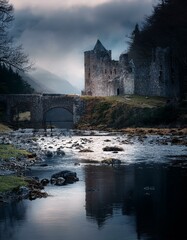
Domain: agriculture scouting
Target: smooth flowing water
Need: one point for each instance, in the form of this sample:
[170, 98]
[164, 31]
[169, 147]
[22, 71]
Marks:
[143, 198]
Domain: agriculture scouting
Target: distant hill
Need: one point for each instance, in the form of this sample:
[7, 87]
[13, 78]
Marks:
[44, 81]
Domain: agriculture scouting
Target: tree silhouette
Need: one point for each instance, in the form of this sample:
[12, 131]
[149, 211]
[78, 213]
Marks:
[165, 27]
[11, 82]
[10, 54]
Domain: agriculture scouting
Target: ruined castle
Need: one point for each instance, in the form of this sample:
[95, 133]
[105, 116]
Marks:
[107, 77]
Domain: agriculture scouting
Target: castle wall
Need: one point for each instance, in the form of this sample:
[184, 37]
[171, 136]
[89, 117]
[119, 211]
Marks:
[106, 77]
[127, 80]
[142, 79]
[158, 77]
[163, 74]
[100, 71]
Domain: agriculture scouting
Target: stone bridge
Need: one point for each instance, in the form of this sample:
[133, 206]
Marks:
[40, 104]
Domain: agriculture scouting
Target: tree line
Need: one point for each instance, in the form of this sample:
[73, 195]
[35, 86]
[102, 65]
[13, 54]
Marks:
[165, 27]
[12, 82]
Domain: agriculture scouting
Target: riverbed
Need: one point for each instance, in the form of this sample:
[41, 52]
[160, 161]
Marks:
[142, 197]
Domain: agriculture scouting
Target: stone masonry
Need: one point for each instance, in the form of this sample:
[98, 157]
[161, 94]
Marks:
[40, 104]
[107, 77]
[158, 76]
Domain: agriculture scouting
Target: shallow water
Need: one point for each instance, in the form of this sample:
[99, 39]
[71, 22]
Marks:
[143, 198]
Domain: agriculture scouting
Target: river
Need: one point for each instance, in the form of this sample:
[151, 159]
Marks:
[144, 197]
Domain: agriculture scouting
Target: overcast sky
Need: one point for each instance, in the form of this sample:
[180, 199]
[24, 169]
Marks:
[56, 33]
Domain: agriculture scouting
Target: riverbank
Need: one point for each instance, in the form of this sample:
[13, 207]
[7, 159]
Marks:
[107, 113]
[142, 130]
[14, 163]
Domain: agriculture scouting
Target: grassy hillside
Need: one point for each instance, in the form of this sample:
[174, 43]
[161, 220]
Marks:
[127, 111]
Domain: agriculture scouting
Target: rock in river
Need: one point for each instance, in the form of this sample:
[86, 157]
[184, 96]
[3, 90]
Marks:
[49, 154]
[70, 177]
[111, 161]
[60, 181]
[114, 148]
[60, 152]
[44, 182]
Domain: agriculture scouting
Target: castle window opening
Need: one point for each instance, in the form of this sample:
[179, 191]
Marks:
[114, 71]
[118, 92]
[105, 71]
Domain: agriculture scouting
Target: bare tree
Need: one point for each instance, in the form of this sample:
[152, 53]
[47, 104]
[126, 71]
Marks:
[10, 54]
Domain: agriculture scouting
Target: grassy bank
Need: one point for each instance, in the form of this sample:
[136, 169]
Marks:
[8, 151]
[127, 111]
[8, 183]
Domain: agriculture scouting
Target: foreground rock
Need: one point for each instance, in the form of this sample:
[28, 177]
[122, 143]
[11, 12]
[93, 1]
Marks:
[32, 191]
[64, 177]
[36, 189]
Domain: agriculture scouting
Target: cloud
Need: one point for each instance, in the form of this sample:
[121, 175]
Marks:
[56, 39]
[55, 4]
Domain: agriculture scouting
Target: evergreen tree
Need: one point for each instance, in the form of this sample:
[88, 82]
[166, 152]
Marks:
[12, 83]
[166, 27]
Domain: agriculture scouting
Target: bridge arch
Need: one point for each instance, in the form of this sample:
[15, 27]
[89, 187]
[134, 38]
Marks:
[40, 104]
[58, 117]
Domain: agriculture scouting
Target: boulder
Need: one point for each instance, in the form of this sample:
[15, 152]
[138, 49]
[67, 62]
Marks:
[34, 194]
[70, 177]
[86, 150]
[49, 154]
[23, 192]
[60, 181]
[44, 182]
[113, 149]
[53, 180]
[31, 155]
[60, 152]
[111, 161]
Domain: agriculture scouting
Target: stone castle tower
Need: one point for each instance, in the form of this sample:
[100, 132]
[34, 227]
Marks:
[106, 77]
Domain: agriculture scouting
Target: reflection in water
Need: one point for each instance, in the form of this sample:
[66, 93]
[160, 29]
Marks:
[134, 202]
[155, 194]
[106, 189]
[10, 216]
[161, 213]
